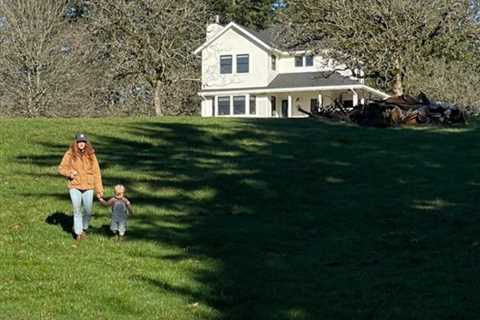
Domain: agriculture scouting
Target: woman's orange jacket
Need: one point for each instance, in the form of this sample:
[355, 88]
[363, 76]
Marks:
[88, 172]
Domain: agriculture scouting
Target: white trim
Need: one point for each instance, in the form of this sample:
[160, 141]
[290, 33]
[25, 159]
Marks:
[375, 91]
[290, 107]
[354, 97]
[225, 29]
[302, 89]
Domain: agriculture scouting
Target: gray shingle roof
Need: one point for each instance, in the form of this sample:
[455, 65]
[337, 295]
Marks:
[271, 36]
[310, 79]
[300, 80]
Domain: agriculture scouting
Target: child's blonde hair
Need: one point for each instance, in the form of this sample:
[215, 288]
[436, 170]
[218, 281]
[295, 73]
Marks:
[119, 189]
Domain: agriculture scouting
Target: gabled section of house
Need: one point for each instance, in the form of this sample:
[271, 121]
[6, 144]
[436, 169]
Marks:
[245, 75]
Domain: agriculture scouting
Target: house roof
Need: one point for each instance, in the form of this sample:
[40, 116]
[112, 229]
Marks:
[310, 79]
[300, 80]
[270, 36]
[248, 33]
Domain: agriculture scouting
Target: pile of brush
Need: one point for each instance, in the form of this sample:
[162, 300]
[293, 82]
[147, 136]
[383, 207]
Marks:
[394, 111]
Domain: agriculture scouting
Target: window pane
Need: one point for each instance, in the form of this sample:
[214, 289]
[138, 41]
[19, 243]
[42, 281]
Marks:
[223, 106]
[274, 62]
[299, 61]
[242, 63]
[309, 60]
[239, 105]
[253, 104]
[225, 64]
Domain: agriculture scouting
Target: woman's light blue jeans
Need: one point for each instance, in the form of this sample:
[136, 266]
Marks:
[81, 219]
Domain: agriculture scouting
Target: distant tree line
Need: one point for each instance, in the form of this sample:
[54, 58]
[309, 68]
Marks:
[124, 57]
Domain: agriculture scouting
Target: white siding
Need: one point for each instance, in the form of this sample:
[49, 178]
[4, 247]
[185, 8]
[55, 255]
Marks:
[263, 106]
[207, 107]
[233, 43]
[287, 65]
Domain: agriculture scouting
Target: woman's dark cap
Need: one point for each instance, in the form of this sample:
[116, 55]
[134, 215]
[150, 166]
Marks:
[81, 137]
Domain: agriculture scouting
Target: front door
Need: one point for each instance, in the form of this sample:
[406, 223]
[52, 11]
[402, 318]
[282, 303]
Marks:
[285, 108]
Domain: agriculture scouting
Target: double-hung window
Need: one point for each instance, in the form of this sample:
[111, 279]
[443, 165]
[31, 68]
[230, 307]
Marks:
[243, 63]
[226, 64]
[298, 61]
[223, 106]
[309, 60]
[304, 60]
[239, 105]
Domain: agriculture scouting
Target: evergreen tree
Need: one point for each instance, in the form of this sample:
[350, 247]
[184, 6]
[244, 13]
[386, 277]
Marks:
[257, 14]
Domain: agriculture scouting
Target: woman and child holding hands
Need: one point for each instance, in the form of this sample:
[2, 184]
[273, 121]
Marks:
[80, 166]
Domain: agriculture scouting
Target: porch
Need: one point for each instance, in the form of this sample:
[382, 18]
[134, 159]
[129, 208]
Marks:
[280, 103]
[288, 105]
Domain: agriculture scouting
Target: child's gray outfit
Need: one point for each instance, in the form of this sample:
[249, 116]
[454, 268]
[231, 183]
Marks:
[120, 210]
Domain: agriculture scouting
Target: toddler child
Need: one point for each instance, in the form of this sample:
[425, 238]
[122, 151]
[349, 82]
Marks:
[121, 208]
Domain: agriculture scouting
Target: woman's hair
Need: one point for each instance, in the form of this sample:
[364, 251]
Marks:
[89, 151]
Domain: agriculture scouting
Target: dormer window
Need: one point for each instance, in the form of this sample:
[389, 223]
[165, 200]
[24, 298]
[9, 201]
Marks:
[242, 63]
[298, 61]
[226, 64]
[309, 60]
[304, 60]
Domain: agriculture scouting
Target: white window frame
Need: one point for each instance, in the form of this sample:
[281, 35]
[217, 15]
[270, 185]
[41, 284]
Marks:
[273, 64]
[248, 63]
[244, 105]
[295, 61]
[220, 63]
[217, 106]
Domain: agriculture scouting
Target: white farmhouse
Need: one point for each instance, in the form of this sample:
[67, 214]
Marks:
[245, 75]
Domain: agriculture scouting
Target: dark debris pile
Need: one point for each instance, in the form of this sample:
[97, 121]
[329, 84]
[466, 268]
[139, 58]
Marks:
[394, 111]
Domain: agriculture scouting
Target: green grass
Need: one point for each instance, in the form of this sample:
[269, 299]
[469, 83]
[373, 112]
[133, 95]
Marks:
[238, 219]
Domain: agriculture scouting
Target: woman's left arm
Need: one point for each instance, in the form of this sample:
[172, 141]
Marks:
[98, 177]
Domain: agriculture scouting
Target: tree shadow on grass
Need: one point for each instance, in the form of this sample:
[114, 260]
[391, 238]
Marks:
[306, 220]
[63, 220]
[66, 222]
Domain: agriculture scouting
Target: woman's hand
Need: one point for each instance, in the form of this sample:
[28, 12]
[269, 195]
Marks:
[72, 174]
[99, 195]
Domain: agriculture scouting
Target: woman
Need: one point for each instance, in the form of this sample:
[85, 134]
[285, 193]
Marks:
[80, 166]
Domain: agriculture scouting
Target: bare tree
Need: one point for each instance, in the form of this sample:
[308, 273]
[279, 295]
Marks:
[149, 43]
[42, 65]
[388, 39]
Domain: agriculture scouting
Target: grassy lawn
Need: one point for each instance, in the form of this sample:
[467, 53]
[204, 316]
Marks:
[239, 219]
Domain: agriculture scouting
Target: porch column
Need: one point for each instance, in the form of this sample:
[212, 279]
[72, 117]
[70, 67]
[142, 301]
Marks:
[247, 104]
[231, 105]
[320, 100]
[215, 106]
[354, 98]
[290, 106]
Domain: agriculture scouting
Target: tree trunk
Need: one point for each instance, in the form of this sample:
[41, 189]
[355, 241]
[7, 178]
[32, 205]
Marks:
[397, 82]
[157, 100]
